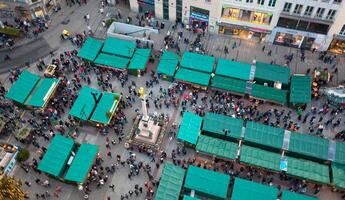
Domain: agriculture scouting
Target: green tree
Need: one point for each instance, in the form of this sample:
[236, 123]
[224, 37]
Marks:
[10, 188]
[23, 155]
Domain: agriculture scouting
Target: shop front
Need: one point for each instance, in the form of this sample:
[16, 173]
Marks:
[50, 4]
[199, 18]
[147, 7]
[338, 44]
[297, 39]
[243, 32]
[38, 12]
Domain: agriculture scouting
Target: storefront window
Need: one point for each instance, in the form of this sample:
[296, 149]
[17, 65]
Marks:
[246, 15]
[257, 17]
[338, 46]
[267, 19]
[231, 13]
[288, 39]
[261, 18]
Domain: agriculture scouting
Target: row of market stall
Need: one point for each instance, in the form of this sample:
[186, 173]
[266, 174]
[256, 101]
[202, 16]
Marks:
[115, 54]
[258, 80]
[68, 161]
[301, 155]
[199, 183]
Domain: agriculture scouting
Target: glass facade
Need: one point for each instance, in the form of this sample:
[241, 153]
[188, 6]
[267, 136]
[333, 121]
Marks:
[303, 25]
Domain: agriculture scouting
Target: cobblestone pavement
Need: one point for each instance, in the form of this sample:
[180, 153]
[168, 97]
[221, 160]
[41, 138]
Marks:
[246, 51]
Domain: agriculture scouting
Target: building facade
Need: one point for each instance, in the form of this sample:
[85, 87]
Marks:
[27, 9]
[308, 24]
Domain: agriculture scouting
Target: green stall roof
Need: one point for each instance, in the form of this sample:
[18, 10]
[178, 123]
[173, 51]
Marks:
[309, 145]
[190, 128]
[248, 190]
[269, 93]
[260, 158]
[119, 47]
[216, 124]
[58, 152]
[192, 76]
[264, 135]
[112, 61]
[90, 49]
[207, 182]
[217, 147]
[287, 195]
[307, 169]
[272, 73]
[233, 69]
[185, 197]
[340, 153]
[107, 104]
[22, 88]
[40, 95]
[84, 104]
[168, 63]
[170, 183]
[140, 58]
[82, 163]
[229, 84]
[198, 62]
[338, 172]
[300, 89]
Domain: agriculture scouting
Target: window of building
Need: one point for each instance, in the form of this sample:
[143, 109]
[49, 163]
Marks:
[308, 11]
[302, 25]
[320, 12]
[249, 1]
[245, 15]
[298, 9]
[342, 31]
[287, 7]
[208, 1]
[166, 9]
[261, 2]
[337, 1]
[331, 14]
[318, 28]
[272, 3]
[179, 10]
[325, 1]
